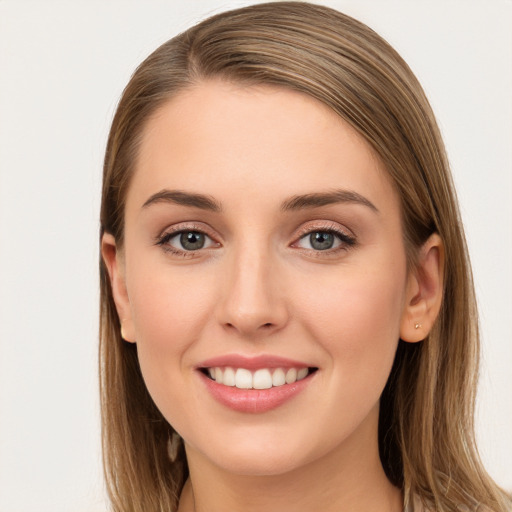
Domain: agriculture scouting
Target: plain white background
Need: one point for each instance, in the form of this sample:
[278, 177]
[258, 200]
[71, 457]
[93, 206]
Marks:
[62, 68]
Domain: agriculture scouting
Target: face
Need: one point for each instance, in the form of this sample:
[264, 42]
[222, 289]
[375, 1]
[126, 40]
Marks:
[263, 249]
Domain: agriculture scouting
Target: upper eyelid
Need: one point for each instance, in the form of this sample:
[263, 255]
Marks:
[324, 226]
[186, 226]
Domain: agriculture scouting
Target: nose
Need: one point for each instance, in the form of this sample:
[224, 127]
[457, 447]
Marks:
[253, 301]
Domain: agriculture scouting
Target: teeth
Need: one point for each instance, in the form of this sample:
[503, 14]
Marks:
[303, 372]
[263, 378]
[243, 379]
[278, 377]
[291, 376]
[229, 377]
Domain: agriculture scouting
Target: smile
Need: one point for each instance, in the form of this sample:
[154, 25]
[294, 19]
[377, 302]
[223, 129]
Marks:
[263, 378]
[255, 384]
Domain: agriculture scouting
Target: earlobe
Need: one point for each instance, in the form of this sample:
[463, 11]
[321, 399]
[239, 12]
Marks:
[424, 292]
[115, 267]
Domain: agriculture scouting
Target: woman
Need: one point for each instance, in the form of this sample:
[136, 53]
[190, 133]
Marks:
[288, 318]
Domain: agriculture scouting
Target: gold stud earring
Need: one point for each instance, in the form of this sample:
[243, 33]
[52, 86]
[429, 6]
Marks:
[417, 326]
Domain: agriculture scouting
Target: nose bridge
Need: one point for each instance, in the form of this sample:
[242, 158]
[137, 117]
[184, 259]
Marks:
[252, 301]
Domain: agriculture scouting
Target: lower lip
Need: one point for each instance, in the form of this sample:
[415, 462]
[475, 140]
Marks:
[254, 400]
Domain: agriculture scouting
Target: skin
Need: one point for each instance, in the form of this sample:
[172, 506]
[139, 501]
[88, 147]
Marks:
[259, 287]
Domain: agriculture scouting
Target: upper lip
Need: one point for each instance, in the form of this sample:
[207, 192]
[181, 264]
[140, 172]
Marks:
[252, 362]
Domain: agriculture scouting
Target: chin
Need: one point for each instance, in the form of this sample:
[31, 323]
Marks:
[260, 464]
[254, 455]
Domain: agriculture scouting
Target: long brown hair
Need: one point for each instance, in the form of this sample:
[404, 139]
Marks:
[426, 434]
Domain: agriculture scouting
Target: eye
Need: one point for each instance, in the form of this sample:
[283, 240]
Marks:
[189, 240]
[321, 240]
[325, 240]
[186, 241]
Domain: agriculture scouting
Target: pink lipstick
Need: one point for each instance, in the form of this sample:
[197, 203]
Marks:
[254, 384]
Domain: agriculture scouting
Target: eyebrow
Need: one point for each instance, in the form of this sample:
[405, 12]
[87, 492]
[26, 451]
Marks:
[316, 200]
[192, 199]
[299, 202]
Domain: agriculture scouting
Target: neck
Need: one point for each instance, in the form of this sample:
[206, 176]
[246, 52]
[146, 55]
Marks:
[349, 478]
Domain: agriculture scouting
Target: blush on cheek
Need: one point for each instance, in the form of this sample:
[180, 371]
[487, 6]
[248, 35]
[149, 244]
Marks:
[358, 323]
[170, 307]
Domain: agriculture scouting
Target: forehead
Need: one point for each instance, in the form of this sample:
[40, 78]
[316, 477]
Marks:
[226, 139]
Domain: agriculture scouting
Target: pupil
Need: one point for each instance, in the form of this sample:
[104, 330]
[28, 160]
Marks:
[192, 240]
[321, 240]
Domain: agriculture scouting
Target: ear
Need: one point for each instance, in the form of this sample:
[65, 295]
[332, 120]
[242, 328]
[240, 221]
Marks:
[424, 292]
[114, 262]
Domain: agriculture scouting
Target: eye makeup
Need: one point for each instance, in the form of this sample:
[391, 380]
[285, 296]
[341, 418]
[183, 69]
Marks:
[321, 239]
[324, 238]
[193, 239]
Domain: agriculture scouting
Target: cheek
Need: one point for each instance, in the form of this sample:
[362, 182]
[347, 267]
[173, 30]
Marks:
[167, 304]
[169, 311]
[357, 322]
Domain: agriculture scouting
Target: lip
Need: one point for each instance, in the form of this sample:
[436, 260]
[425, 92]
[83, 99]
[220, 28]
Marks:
[253, 362]
[255, 401]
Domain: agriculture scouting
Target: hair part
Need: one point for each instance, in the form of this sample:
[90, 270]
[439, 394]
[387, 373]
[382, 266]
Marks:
[426, 433]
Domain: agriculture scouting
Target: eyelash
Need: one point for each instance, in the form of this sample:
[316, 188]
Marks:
[346, 241]
[164, 239]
